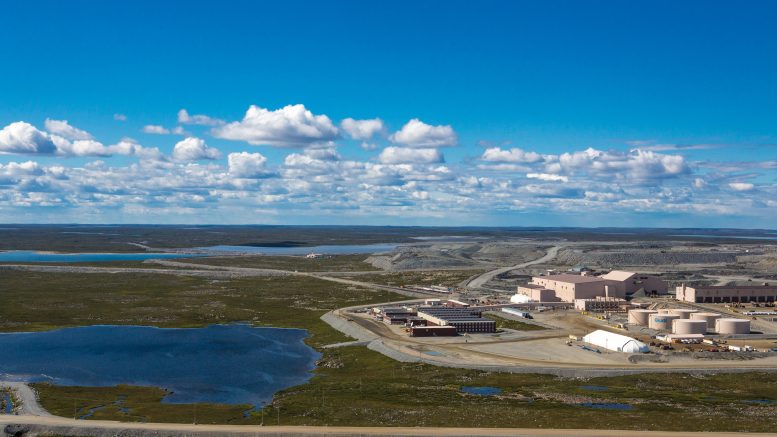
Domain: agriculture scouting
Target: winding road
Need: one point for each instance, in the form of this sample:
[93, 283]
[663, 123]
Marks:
[481, 280]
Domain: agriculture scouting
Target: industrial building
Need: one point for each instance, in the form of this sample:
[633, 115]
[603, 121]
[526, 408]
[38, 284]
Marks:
[727, 293]
[463, 319]
[601, 304]
[625, 283]
[566, 287]
[433, 331]
[616, 342]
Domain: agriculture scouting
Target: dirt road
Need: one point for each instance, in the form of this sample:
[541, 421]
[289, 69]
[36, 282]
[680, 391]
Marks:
[104, 427]
[481, 280]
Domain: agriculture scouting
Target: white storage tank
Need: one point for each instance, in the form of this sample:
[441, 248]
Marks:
[640, 317]
[662, 322]
[685, 326]
[732, 326]
[707, 317]
[683, 313]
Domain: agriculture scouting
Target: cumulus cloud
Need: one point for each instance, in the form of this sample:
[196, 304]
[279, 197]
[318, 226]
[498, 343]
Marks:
[156, 129]
[24, 138]
[185, 118]
[416, 133]
[636, 165]
[194, 149]
[65, 130]
[514, 155]
[547, 177]
[290, 126]
[362, 129]
[119, 117]
[248, 165]
[407, 155]
[741, 186]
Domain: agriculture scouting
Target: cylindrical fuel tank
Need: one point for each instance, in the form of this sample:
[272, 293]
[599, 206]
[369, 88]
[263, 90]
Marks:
[685, 326]
[732, 326]
[640, 317]
[707, 317]
[683, 313]
[662, 322]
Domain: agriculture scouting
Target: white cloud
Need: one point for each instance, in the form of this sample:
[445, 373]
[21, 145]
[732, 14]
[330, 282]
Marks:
[362, 129]
[65, 130]
[185, 118]
[514, 155]
[156, 129]
[248, 165]
[406, 155]
[416, 133]
[741, 186]
[290, 126]
[23, 138]
[119, 117]
[547, 177]
[194, 149]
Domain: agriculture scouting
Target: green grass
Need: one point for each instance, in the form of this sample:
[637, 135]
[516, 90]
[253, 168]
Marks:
[364, 388]
[372, 390]
[335, 263]
[446, 278]
[354, 386]
[136, 404]
[504, 323]
[34, 301]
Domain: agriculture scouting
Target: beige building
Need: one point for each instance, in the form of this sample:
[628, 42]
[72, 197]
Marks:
[727, 294]
[538, 293]
[568, 287]
[622, 283]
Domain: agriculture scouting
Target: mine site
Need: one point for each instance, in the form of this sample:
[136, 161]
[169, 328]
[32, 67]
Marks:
[523, 323]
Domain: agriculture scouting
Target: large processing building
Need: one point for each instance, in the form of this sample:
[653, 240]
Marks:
[463, 319]
[727, 294]
[567, 287]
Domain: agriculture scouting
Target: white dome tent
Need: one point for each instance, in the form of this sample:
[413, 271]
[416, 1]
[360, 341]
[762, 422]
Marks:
[616, 342]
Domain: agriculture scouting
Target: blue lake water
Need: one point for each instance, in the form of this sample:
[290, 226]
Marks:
[233, 364]
[481, 391]
[52, 257]
[345, 249]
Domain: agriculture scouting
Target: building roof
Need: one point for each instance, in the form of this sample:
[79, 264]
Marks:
[615, 342]
[618, 275]
[532, 286]
[572, 279]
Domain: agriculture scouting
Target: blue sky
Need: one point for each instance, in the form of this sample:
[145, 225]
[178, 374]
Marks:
[529, 113]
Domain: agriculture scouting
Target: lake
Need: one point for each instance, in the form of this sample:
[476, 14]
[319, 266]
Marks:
[345, 249]
[54, 257]
[232, 364]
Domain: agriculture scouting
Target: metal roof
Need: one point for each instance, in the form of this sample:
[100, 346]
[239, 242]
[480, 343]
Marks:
[618, 275]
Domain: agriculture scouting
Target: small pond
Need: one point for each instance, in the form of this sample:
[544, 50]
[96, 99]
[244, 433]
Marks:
[481, 391]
